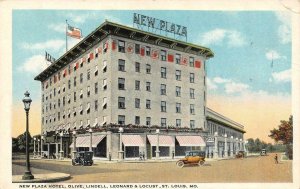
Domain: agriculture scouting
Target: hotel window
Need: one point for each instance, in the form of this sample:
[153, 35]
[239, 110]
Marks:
[204, 80]
[163, 72]
[121, 119]
[192, 64]
[81, 77]
[88, 108]
[163, 106]
[54, 92]
[121, 83]
[50, 105]
[69, 113]
[121, 65]
[69, 98]
[96, 88]
[58, 116]
[192, 93]
[178, 91]
[148, 68]
[74, 96]
[148, 50]
[50, 81]
[163, 55]
[96, 70]
[69, 69]
[148, 86]
[75, 81]
[137, 49]
[177, 58]
[58, 90]
[137, 103]
[178, 75]
[192, 109]
[58, 76]
[64, 87]
[104, 103]
[104, 68]
[204, 95]
[163, 122]
[178, 107]
[104, 84]
[137, 67]
[137, 85]
[69, 84]
[88, 76]
[148, 104]
[81, 93]
[178, 122]
[163, 89]
[192, 77]
[121, 46]
[96, 105]
[88, 92]
[43, 98]
[105, 46]
[74, 111]
[81, 110]
[137, 120]
[64, 101]
[58, 102]
[192, 124]
[121, 102]
[148, 121]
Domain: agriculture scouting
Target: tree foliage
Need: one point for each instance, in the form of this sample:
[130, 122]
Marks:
[284, 133]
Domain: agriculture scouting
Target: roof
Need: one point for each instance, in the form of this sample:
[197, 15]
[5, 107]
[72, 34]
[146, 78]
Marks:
[216, 117]
[110, 28]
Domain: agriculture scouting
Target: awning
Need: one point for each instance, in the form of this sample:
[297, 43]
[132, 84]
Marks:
[163, 140]
[97, 139]
[84, 141]
[133, 140]
[190, 141]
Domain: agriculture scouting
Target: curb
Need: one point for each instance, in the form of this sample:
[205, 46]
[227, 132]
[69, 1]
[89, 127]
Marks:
[42, 178]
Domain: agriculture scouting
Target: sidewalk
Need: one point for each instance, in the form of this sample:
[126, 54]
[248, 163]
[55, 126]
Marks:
[40, 175]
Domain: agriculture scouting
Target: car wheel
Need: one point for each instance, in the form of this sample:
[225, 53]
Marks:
[201, 163]
[180, 164]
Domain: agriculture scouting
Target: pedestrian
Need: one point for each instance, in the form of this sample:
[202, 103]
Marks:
[276, 159]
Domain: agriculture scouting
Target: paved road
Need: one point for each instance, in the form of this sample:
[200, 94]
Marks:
[256, 169]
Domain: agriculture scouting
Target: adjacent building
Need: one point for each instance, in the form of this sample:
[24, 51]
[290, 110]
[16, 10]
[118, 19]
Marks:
[129, 93]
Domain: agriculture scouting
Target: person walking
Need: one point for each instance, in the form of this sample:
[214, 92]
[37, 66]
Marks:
[276, 159]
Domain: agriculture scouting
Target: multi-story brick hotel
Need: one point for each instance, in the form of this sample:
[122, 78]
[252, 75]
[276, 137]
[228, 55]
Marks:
[128, 92]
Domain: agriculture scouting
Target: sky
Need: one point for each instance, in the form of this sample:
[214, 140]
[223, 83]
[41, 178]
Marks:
[249, 78]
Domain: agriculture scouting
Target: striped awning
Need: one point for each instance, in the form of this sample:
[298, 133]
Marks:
[164, 140]
[84, 141]
[133, 140]
[190, 141]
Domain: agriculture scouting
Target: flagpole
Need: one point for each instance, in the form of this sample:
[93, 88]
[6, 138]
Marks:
[66, 35]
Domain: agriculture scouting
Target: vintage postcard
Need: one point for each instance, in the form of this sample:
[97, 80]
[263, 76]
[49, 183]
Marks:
[150, 94]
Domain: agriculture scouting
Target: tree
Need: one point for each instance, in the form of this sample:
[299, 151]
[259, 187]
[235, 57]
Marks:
[15, 144]
[284, 133]
[22, 142]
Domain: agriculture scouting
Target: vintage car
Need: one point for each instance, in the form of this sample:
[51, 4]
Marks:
[83, 158]
[240, 154]
[263, 152]
[192, 157]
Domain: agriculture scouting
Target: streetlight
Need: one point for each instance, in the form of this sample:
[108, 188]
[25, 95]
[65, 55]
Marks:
[34, 153]
[157, 144]
[121, 130]
[74, 144]
[61, 145]
[91, 139]
[27, 101]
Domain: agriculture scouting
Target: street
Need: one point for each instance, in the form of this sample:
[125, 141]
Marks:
[252, 169]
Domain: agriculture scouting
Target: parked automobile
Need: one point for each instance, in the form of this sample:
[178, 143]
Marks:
[83, 158]
[263, 152]
[240, 154]
[192, 157]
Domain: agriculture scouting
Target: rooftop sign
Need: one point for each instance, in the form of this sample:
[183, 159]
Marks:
[161, 25]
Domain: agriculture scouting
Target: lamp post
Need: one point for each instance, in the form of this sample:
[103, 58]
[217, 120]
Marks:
[42, 152]
[74, 144]
[91, 139]
[61, 145]
[121, 130]
[34, 152]
[27, 101]
[38, 153]
[157, 144]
